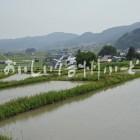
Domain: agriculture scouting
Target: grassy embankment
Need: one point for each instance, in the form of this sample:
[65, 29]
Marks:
[22, 105]
[4, 138]
[24, 82]
[54, 76]
[51, 77]
[32, 80]
[2, 75]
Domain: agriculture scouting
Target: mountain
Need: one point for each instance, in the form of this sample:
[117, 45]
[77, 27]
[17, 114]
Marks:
[86, 37]
[60, 40]
[110, 35]
[113, 34]
[129, 39]
[49, 41]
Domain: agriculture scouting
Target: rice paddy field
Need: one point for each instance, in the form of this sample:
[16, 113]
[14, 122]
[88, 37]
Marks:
[92, 81]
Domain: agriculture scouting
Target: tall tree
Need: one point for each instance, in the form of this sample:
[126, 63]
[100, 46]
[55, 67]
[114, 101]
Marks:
[85, 56]
[108, 50]
[131, 53]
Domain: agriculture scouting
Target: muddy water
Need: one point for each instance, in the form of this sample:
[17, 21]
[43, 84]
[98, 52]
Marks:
[13, 93]
[113, 114]
[16, 77]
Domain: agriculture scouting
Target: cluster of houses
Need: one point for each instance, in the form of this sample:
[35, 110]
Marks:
[68, 58]
[110, 58]
[121, 57]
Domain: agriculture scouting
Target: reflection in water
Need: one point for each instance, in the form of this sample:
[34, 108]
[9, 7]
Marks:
[47, 109]
[13, 93]
[113, 114]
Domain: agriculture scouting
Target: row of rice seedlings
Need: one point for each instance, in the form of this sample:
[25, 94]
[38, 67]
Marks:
[25, 104]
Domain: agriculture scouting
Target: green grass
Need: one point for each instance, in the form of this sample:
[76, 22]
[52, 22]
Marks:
[64, 77]
[22, 105]
[23, 82]
[4, 138]
[2, 75]
[53, 76]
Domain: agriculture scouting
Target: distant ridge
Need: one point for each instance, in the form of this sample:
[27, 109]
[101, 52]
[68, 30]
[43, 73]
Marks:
[61, 40]
[131, 39]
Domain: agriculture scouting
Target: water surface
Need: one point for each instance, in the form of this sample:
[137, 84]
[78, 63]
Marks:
[16, 77]
[113, 114]
[29, 90]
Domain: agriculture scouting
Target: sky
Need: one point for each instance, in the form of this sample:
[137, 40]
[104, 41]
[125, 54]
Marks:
[20, 18]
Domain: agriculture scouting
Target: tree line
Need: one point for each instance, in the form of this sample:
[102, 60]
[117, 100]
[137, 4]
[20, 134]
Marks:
[106, 50]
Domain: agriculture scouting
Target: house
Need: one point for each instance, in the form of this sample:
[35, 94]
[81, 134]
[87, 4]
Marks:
[138, 51]
[2, 62]
[106, 58]
[116, 58]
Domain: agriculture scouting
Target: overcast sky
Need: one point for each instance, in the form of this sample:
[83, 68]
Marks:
[38, 17]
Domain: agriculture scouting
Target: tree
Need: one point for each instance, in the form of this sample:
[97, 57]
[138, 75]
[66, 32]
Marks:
[30, 50]
[131, 53]
[85, 56]
[108, 50]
